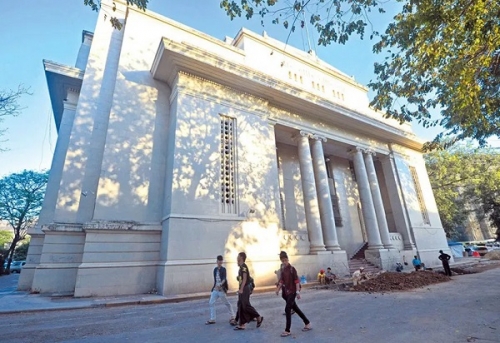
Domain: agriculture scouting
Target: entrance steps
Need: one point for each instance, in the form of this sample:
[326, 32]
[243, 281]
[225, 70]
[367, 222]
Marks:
[355, 264]
[358, 260]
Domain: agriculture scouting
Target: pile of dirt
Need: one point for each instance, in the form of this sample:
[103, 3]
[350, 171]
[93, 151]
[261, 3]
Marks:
[463, 271]
[391, 281]
[493, 255]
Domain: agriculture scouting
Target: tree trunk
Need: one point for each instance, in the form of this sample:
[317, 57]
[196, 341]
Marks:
[10, 254]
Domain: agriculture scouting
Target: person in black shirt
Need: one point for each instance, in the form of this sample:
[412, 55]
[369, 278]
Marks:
[291, 286]
[246, 312]
[444, 260]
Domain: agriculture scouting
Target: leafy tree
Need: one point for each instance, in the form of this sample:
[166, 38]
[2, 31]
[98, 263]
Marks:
[21, 197]
[465, 179]
[96, 6]
[5, 237]
[9, 103]
[440, 55]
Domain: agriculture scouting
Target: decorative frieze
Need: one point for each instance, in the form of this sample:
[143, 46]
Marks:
[68, 227]
[202, 88]
[120, 226]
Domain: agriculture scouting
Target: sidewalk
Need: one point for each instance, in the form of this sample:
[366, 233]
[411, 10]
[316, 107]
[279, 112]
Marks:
[17, 302]
[12, 301]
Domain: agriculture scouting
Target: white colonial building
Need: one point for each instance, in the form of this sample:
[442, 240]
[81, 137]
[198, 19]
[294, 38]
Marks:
[175, 147]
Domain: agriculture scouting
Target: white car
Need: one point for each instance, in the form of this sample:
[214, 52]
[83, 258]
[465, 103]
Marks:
[15, 266]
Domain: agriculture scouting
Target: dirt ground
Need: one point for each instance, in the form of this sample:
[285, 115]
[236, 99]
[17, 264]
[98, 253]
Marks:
[391, 281]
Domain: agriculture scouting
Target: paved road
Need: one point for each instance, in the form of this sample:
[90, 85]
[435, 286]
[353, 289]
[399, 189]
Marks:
[463, 310]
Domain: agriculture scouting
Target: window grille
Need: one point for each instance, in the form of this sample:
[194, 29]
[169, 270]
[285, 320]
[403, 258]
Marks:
[227, 166]
[420, 196]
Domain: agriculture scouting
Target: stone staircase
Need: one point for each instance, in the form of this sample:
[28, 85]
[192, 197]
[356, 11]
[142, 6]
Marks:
[358, 260]
[360, 254]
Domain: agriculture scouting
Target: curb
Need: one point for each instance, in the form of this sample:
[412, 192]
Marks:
[118, 303]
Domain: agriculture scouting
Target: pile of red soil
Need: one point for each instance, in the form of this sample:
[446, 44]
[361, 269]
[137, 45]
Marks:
[391, 281]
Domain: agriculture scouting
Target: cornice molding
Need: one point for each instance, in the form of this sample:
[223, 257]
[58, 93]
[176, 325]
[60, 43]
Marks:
[61, 69]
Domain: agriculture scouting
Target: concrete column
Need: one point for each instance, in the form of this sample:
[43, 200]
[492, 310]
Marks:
[310, 196]
[110, 45]
[397, 201]
[83, 53]
[367, 206]
[57, 166]
[377, 200]
[324, 197]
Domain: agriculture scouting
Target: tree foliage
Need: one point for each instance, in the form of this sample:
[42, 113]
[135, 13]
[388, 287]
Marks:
[464, 180]
[439, 55]
[5, 237]
[95, 5]
[9, 103]
[21, 197]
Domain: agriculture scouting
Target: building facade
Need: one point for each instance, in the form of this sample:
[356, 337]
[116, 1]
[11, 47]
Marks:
[174, 147]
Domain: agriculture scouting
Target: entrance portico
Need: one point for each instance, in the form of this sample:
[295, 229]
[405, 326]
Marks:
[316, 171]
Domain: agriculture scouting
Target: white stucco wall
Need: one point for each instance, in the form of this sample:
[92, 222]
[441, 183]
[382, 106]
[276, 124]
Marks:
[350, 233]
[293, 198]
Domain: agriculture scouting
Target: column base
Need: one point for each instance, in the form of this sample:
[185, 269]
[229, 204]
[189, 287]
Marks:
[333, 247]
[315, 249]
[375, 247]
[389, 246]
[321, 252]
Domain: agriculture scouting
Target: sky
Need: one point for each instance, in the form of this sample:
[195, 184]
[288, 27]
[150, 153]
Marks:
[33, 30]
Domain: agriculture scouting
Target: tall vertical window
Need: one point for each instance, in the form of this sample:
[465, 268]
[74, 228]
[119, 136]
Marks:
[333, 194]
[227, 165]
[420, 196]
[353, 172]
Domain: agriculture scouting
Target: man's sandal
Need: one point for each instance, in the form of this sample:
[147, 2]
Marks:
[208, 322]
[259, 323]
[233, 322]
[238, 328]
[285, 334]
[307, 328]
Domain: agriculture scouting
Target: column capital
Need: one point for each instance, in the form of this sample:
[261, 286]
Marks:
[355, 150]
[307, 134]
[370, 152]
[318, 138]
[298, 135]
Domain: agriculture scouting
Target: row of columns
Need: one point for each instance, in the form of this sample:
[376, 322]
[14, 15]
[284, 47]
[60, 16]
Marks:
[371, 200]
[317, 197]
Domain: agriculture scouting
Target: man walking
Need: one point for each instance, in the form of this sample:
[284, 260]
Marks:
[246, 312]
[444, 260]
[291, 286]
[219, 290]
